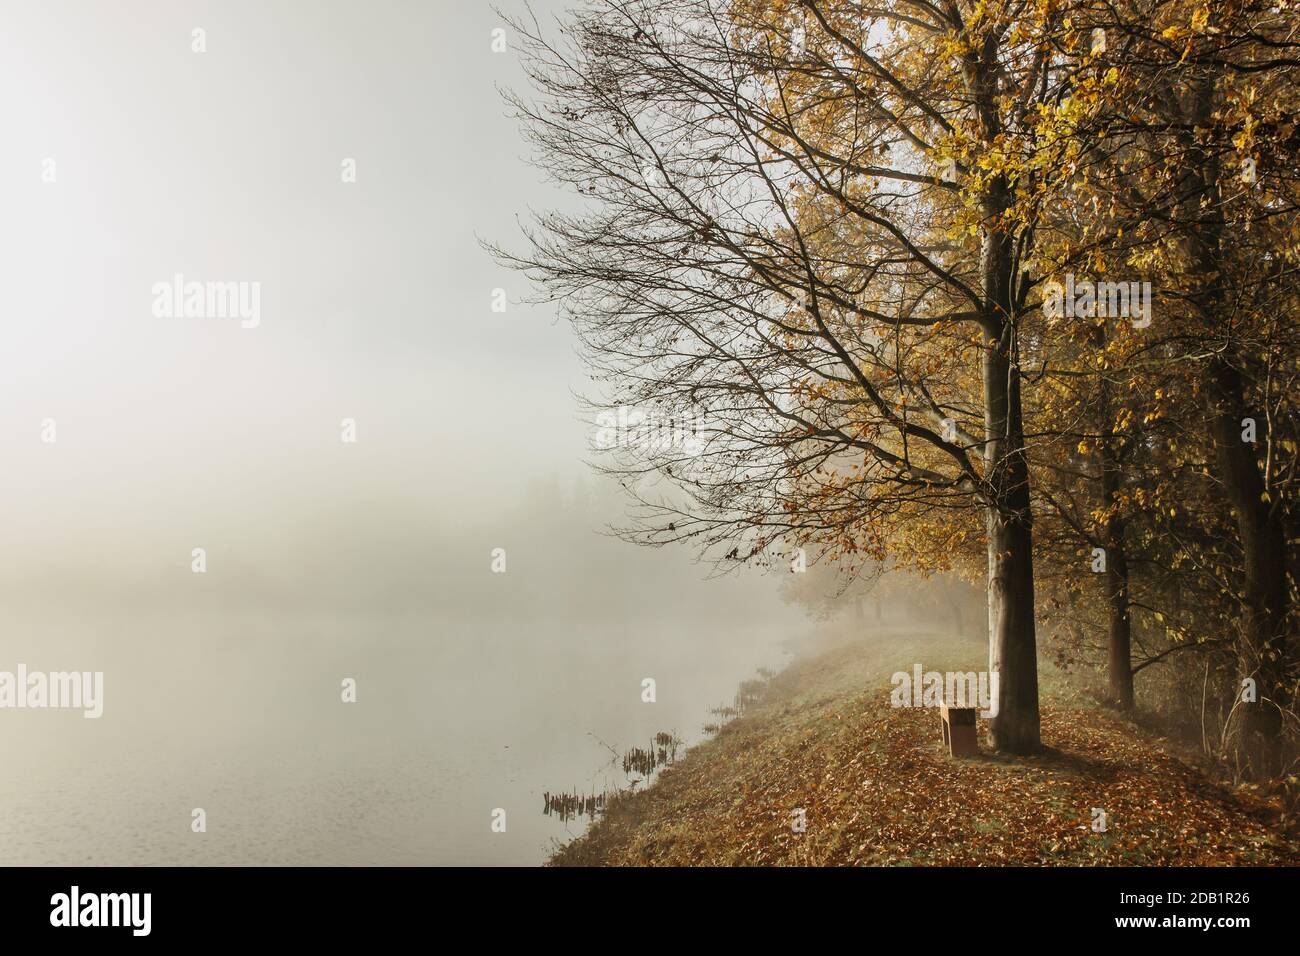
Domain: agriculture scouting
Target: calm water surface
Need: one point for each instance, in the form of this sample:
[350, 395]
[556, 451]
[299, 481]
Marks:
[452, 720]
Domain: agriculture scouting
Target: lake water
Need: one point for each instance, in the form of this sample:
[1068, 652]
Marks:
[454, 718]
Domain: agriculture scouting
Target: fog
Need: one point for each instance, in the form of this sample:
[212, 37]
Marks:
[130, 439]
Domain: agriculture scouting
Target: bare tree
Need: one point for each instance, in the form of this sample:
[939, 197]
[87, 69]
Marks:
[805, 228]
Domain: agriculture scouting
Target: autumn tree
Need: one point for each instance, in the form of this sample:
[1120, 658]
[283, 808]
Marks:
[808, 226]
[1193, 175]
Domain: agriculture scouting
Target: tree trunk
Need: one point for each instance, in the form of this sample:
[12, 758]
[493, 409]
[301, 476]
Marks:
[1262, 651]
[1119, 664]
[1013, 652]
[1120, 645]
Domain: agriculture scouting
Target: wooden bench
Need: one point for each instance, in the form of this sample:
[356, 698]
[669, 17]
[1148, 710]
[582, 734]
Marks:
[959, 734]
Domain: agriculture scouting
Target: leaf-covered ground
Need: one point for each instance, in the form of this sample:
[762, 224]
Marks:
[877, 788]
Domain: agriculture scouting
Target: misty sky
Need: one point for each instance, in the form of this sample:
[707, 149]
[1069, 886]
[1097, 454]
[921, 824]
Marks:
[226, 166]
[375, 295]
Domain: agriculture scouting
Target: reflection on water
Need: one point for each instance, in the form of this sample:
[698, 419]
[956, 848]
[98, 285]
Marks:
[570, 806]
[450, 724]
[640, 763]
[661, 752]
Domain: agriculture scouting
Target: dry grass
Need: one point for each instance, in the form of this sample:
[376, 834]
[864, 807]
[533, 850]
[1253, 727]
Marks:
[878, 789]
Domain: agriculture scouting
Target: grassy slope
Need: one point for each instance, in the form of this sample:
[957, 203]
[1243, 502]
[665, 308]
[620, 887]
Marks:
[878, 788]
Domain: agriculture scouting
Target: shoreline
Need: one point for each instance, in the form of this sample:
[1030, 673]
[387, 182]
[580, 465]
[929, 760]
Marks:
[872, 784]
